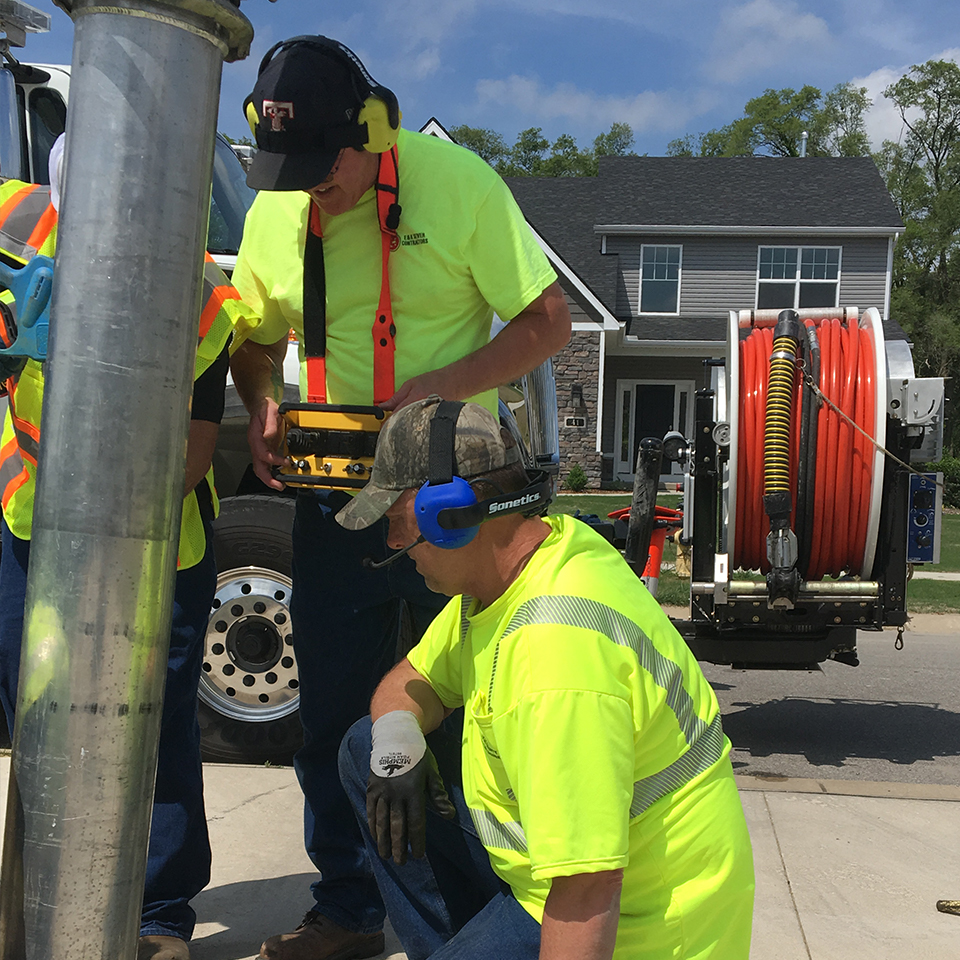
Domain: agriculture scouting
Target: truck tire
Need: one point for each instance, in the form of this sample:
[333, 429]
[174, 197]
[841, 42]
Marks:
[249, 691]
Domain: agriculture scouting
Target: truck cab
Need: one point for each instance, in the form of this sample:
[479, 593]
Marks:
[33, 97]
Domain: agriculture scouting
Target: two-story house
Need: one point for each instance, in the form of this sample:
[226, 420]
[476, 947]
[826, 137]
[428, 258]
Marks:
[654, 252]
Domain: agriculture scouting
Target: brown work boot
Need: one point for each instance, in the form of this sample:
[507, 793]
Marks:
[162, 948]
[319, 938]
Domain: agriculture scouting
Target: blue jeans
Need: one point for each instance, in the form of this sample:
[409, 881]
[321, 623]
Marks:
[449, 905]
[345, 627]
[178, 861]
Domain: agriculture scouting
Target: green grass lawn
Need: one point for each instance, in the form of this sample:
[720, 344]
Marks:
[933, 596]
[939, 596]
[950, 544]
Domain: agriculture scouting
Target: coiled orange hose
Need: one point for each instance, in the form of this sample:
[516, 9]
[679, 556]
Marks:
[844, 457]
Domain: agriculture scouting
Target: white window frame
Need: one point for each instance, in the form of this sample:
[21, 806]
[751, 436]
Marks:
[648, 313]
[797, 281]
[625, 471]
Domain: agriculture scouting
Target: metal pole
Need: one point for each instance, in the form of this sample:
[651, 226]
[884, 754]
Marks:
[143, 109]
[849, 590]
[540, 393]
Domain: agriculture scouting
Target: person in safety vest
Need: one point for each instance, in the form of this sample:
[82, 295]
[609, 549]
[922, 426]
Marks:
[596, 814]
[178, 864]
[388, 253]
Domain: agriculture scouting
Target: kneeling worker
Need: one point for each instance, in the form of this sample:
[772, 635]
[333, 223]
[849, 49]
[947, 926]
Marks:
[594, 769]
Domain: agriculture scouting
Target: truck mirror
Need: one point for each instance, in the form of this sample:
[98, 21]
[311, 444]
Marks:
[11, 143]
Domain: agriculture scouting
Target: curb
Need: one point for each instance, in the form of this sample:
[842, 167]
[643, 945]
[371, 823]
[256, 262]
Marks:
[849, 788]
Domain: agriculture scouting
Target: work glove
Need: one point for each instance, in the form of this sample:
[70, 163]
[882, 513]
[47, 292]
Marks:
[403, 777]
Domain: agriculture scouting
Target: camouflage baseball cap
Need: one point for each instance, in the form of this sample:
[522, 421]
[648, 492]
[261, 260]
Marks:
[402, 458]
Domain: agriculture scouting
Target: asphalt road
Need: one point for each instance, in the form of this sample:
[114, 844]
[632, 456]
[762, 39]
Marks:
[895, 718]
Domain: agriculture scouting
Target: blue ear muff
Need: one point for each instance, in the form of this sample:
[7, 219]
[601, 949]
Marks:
[430, 500]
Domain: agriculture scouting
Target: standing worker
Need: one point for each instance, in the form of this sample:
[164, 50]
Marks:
[417, 240]
[598, 817]
[178, 862]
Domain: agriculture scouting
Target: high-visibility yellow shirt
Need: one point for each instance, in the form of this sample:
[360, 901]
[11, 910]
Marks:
[465, 251]
[592, 742]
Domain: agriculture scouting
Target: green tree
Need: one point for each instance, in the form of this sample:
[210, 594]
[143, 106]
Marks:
[568, 160]
[527, 154]
[844, 115]
[532, 155]
[709, 144]
[242, 142]
[484, 142]
[616, 142]
[773, 124]
[922, 172]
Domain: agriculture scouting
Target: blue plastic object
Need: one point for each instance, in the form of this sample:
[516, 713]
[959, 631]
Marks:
[430, 500]
[31, 286]
[924, 514]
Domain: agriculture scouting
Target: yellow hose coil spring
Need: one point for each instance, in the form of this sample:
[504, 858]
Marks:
[776, 440]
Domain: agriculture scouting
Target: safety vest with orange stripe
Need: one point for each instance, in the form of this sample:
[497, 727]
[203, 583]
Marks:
[28, 227]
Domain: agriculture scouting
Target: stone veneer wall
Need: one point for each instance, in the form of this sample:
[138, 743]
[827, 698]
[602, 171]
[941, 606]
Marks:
[579, 363]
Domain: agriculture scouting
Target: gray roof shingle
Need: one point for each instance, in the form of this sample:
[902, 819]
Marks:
[744, 192]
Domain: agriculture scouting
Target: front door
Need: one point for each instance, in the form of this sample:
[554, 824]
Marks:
[647, 409]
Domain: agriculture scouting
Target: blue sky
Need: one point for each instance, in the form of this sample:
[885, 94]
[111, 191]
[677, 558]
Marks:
[571, 66]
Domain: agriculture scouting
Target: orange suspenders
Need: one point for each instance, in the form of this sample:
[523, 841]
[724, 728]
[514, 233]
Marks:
[314, 292]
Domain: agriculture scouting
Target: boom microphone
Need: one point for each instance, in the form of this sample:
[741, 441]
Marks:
[370, 564]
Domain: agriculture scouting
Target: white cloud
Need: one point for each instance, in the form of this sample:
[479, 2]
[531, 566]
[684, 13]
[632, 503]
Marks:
[762, 33]
[622, 11]
[645, 111]
[419, 30]
[883, 120]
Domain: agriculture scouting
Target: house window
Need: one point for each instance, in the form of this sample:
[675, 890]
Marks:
[659, 279]
[798, 277]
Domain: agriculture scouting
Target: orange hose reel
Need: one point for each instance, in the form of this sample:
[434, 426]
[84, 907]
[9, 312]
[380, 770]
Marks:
[844, 457]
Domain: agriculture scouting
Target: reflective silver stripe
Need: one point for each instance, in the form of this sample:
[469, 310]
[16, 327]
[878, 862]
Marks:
[598, 617]
[705, 741]
[21, 221]
[500, 836]
[465, 602]
[26, 443]
[213, 277]
[10, 469]
[703, 754]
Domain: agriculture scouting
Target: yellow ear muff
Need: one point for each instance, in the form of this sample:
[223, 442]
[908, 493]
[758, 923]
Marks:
[381, 137]
[252, 118]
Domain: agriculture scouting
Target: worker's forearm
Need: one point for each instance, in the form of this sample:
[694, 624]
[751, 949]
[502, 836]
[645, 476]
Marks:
[257, 370]
[580, 917]
[403, 688]
[531, 337]
[519, 348]
[535, 334]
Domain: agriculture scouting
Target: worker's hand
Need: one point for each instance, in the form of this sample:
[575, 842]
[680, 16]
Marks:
[403, 776]
[264, 435]
[434, 383]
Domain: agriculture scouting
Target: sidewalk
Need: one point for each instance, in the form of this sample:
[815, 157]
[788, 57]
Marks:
[845, 870]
